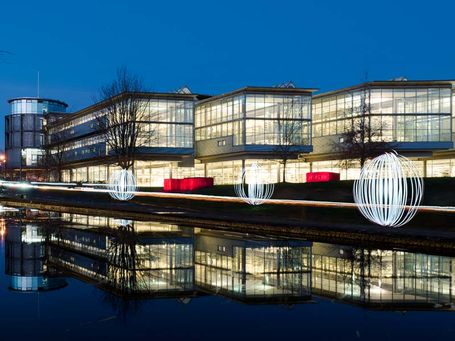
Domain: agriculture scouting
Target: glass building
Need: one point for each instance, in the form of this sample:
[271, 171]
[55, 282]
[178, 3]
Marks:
[189, 135]
[253, 269]
[249, 125]
[166, 121]
[24, 134]
[414, 117]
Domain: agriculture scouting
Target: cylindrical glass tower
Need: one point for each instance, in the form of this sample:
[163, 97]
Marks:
[24, 136]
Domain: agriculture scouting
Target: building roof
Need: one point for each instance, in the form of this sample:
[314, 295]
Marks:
[156, 95]
[39, 99]
[392, 84]
[261, 89]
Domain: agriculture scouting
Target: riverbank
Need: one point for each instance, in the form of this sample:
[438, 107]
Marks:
[438, 191]
[428, 231]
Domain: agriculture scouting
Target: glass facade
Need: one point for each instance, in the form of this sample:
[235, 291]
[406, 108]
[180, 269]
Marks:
[36, 106]
[148, 173]
[402, 114]
[380, 276]
[220, 118]
[254, 118]
[245, 126]
[24, 134]
[251, 270]
[165, 123]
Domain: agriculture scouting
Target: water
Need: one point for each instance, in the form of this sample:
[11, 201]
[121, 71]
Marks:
[79, 277]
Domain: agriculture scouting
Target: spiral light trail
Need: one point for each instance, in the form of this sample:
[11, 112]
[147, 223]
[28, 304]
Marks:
[389, 190]
[122, 185]
[252, 185]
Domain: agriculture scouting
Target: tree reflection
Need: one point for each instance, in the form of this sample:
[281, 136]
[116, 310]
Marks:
[122, 258]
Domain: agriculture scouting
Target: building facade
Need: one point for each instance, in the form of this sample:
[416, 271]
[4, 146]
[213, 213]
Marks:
[24, 135]
[287, 130]
[252, 125]
[193, 135]
[167, 119]
[414, 117]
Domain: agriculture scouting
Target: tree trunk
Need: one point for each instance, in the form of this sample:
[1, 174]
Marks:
[284, 170]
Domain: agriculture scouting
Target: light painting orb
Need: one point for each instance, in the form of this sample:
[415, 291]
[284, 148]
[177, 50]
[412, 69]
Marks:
[389, 190]
[253, 185]
[122, 185]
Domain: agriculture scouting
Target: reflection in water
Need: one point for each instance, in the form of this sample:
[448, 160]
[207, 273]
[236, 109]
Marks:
[26, 261]
[252, 268]
[126, 262]
[381, 276]
[149, 259]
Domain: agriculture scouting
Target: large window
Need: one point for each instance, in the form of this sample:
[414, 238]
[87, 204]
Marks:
[255, 119]
[166, 122]
[220, 118]
[403, 115]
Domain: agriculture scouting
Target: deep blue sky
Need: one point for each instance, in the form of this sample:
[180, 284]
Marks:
[217, 46]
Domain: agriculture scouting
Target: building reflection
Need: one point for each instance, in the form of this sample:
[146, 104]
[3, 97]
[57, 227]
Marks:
[382, 278]
[252, 269]
[149, 260]
[156, 261]
[26, 260]
[153, 259]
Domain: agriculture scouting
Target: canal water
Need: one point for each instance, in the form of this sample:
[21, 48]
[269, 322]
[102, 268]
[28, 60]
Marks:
[68, 276]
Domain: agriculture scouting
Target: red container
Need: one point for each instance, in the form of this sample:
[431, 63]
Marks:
[187, 184]
[172, 185]
[191, 184]
[322, 176]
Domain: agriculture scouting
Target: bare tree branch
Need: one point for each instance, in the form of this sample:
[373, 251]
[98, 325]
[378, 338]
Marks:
[290, 131]
[55, 153]
[363, 139]
[122, 119]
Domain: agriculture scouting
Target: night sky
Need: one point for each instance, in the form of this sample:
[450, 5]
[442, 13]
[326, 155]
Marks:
[218, 46]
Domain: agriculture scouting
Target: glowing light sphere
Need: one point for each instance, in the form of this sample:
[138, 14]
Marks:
[253, 185]
[389, 190]
[122, 185]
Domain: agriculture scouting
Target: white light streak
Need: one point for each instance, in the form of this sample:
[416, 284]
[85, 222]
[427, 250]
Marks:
[258, 189]
[389, 190]
[122, 185]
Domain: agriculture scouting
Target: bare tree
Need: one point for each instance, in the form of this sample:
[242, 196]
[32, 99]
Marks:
[54, 157]
[363, 139]
[123, 260]
[291, 134]
[122, 118]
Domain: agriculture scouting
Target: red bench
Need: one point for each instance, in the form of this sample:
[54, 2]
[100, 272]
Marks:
[187, 184]
[322, 176]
